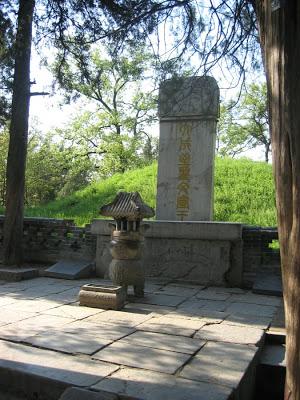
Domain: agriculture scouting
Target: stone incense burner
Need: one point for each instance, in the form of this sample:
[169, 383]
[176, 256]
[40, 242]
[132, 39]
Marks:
[127, 237]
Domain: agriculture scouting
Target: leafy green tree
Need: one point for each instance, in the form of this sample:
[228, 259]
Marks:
[245, 126]
[6, 60]
[125, 106]
[53, 170]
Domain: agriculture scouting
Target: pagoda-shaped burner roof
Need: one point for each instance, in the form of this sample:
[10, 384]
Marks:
[129, 206]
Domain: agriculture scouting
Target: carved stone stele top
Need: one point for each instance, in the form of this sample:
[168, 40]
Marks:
[196, 98]
[129, 206]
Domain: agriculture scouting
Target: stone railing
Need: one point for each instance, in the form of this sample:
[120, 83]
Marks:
[48, 240]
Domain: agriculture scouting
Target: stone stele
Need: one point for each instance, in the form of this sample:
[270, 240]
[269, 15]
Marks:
[188, 112]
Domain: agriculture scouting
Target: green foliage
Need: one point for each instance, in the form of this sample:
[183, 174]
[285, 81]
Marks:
[244, 192]
[115, 135]
[84, 205]
[245, 126]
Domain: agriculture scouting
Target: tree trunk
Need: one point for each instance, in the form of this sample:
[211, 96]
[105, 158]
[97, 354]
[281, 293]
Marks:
[16, 162]
[279, 26]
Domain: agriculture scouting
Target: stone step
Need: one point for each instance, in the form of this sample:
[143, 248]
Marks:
[270, 373]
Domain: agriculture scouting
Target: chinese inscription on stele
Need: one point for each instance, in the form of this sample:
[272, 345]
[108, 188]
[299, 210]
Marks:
[184, 137]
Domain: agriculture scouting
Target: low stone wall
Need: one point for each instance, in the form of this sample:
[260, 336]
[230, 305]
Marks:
[48, 240]
[257, 252]
[213, 252]
[200, 252]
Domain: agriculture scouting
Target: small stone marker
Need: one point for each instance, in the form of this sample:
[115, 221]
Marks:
[188, 111]
[13, 274]
[108, 297]
[70, 269]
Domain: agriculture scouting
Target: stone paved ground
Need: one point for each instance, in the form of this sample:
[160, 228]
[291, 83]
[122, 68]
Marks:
[181, 342]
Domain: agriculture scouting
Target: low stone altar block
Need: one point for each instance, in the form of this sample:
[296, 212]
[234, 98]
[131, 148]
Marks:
[188, 112]
[107, 297]
[70, 269]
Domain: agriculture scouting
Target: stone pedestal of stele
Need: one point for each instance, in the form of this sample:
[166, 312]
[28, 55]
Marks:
[188, 112]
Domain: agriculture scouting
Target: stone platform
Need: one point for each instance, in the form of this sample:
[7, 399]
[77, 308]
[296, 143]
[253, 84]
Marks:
[179, 342]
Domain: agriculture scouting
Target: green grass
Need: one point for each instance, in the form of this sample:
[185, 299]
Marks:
[244, 192]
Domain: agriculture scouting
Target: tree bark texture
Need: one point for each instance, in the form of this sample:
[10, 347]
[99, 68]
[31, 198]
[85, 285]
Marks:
[16, 162]
[279, 25]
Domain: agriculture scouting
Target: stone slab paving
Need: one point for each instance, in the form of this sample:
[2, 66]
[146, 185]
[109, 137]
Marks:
[220, 363]
[251, 309]
[212, 295]
[79, 337]
[141, 308]
[142, 357]
[253, 321]
[119, 317]
[52, 365]
[73, 311]
[180, 342]
[230, 333]
[148, 385]
[172, 326]
[256, 299]
[179, 290]
[163, 299]
[20, 330]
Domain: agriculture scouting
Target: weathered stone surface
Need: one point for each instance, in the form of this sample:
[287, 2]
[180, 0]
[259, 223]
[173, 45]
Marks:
[9, 316]
[141, 308]
[251, 309]
[179, 290]
[147, 385]
[70, 269]
[142, 357]
[210, 317]
[202, 261]
[172, 326]
[75, 393]
[124, 318]
[210, 295]
[222, 289]
[256, 299]
[230, 333]
[199, 305]
[105, 330]
[20, 330]
[215, 250]
[73, 311]
[100, 296]
[162, 300]
[220, 363]
[164, 342]
[52, 365]
[253, 321]
[38, 305]
[186, 150]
